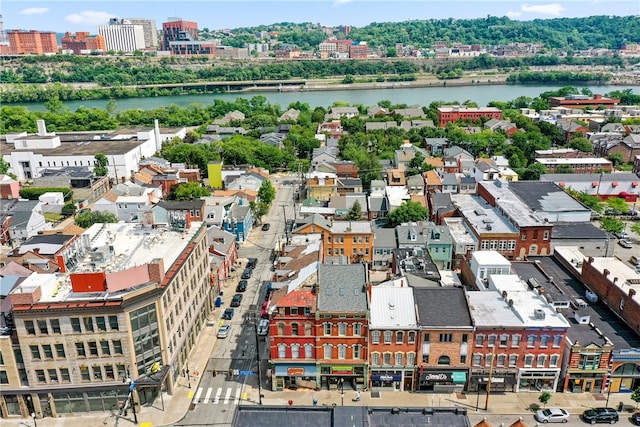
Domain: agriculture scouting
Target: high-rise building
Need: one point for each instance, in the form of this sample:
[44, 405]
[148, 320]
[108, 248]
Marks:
[122, 35]
[32, 42]
[150, 31]
[178, 30]
[83, 43]
[3, 36]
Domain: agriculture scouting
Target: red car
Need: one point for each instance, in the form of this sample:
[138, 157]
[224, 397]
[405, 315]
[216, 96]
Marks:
[264, 313]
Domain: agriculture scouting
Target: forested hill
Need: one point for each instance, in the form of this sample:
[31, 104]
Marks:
[562, 33]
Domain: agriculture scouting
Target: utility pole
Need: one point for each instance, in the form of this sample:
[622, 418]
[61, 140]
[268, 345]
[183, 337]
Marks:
[255, 330]
[493, 356]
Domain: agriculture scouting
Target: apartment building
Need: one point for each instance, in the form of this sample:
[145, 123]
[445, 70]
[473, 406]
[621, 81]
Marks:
[453, 114]
[32, 42]
[122, 35]
[176, 30]
[82, 43]
[134, 297]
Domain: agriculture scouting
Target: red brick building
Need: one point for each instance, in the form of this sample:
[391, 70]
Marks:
[32, 42]
[178, 30]
[582, 101]
[82, 41]
[453, 114]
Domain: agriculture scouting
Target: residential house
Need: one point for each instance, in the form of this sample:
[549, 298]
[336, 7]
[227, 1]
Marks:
[232, 115]
[322, 186]
[291, 115]
[467, 185]
[463, 241]
[377, 110]
[396, 196]
[9, 187]
[342, 204]
[413, 267]
[225, 131]
[505, 126]
[81, 179]
[407, 125]
[393, 338]
[440, 245]
[223, 254]
[345, 169]
[415, 185]
[383, 245]
[485, 171]
[340, 112]
[324, 155]
[395, 177]
[414, 111]
[383, 126]
[570, 129]
[629, 147]
[22, 219]
[436, 146]
[349, 185]
[450, 183]
[377, 205]
[440, 206]
[406, 153]
[445, 339]
[274, 139]
[342, 328]
[239, 220]
[433, 182]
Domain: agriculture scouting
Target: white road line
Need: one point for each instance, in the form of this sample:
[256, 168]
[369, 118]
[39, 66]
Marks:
[208, 395]
[227, 396]
[238, 395]
[198, 393]
[218, 393]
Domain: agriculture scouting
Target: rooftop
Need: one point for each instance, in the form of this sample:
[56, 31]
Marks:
[442, 307]
[342, 288]
[481, 216]
[392, 307]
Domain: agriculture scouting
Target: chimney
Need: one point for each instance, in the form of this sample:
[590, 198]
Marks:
[156, 270]
[632, 292]
[42, 128]
[606, 272]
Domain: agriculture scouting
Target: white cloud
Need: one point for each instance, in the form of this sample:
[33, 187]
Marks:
[552, 9]
[513, 14]
[89, 17]
[34, 11]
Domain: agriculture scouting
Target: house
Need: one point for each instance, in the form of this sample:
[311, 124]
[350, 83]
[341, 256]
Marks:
[570, 129]
[22, 219]
[340, 112]
[223, 255]
[127, 201]
[232, 115]
[440, 245]
[450, 183]
[383, 126]
[503, 125]
[225, 131]
[194, 208]
[322, 186]
[383, 246]
[9, 187]
[377, 205]
[81, 179]
[291, 115]
[415, 111]
[274, 139]
[395, 177]
[407, 125]
[415, 185]
[324, 155]
[485, 171]
[239, 220]
[377, 110]
[406, 153]
[467, 185]
[436, 146]
[349, 185]
[342, 204]
[345, 169]
[250, 180]
[629, 147]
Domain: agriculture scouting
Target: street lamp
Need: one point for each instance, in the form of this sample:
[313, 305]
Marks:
[32, 410]
[342, 389]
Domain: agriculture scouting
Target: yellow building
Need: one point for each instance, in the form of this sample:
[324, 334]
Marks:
[214, 170]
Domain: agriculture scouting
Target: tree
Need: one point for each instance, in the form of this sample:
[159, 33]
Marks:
[100, 168]
[407, 212]
[581, 143]
[4, 166]
[266, 193]
[417, 164]
[616, 158]
[544, 398]
[188, 191]
[355, 213]
[612, 225]
[88, 218]
[635, 396]
[635, 228]
[617, 204]
[259, 210]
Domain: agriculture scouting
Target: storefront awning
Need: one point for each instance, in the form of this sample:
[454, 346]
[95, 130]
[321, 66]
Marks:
[495, 379]
[296, 370]
[153, 380]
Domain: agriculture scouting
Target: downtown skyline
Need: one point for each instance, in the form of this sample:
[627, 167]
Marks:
[69, 15]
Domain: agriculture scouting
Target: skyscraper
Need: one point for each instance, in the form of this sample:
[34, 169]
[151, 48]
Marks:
[150, 31]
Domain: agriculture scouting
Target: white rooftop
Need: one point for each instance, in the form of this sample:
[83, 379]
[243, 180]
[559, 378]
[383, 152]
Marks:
[351, 227]
[392, 307]
[511, 204]
[490, 258]
[565, 161]
[481, 216]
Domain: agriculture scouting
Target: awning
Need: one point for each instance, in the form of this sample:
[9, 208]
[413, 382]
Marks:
[495, 379]
[153, 380]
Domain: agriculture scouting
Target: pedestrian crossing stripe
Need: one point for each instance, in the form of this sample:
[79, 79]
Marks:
[219, 395]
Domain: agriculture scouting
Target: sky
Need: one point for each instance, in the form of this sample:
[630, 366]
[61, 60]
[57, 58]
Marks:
[85, 15]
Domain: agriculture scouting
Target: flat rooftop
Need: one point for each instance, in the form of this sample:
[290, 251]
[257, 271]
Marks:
[87, 148]
[481, 216]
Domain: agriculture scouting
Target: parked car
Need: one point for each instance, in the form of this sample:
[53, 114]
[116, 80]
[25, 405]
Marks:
[223, 332]
[263, 312]
[242, 286]
[625, 243]
[252, 262]
[552, 415]
[600, 415]
[263, 327]
[236, 300]
[246, 274]
[228, 314]
[266, 226]
[622, 235]
[636, 418]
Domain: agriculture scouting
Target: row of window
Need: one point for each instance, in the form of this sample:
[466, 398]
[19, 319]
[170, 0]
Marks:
[355, 239]
[75, 162]
[397, 359]
[541, 341]
[501, 245]
[388, 337]
[87, 373]
[340, 251]
[511, 360]
[79, 325]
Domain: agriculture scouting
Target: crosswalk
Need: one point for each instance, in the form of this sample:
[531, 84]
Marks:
[224, 396]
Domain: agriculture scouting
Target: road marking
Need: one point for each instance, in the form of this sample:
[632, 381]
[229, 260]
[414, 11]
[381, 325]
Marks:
[238, 392]
[227, 396]
[190, 394]
[198, 393]
[218, 393]
[208, 395]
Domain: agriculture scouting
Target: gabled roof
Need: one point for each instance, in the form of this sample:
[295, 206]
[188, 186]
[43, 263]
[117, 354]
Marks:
[299, 298]
[315, 219]
[341, 288]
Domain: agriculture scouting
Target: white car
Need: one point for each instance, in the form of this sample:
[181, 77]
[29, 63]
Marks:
[552, 415]
[223, 332]
[263, 327]
[625, 243]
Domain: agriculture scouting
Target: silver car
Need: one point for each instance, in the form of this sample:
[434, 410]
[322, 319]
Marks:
[552, 415]
[223, 332]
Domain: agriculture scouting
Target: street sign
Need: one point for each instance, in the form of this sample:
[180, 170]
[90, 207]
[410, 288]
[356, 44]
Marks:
[246, 373]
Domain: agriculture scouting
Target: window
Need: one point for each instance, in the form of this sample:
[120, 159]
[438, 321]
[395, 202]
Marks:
[342, 351]
[327, 351]
[307, 329]
[93, 348]
[387, 337]
[503, 340]
[463, 358]
[60, 350]
[357, 329]
[293, 311]
[280, 328]
[40, 376]
[411, 337]
[553, 361]
[426, 338]
[375, 337]
[88, 323]
[531, 341]
[589, 361]
[42, 326]
[308, 351]
[29, 326]
[75, 324]
[55, 326]
[465, 337]
[97, 373]
[513, 360]
[104, 345]
[117, 347]
[48, 351]
[84, 373]
[53, 375]
[501, 360]
[100, 323]
[446, 337]
[492, 340]
[295, 351]
[64, 374]
[342, 329]
[80, 349]
[294, 329]
[528, 360]
[357, 351]
[113, 323]
[327, 328]
[444, 360]
[387, 358]
[35, 352]
[479, 340]
[399, 358]
[375, 358]
[542, 359]
[411, 359]
[544, 341]
[515, 340]
[488, 360]
[108, 372]
[282, 351]
[425, 358]
[4, 378]
[477, 360]
[399, 337]
[557, 341]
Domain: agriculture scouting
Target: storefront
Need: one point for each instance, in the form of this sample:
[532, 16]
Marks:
[386, 380]
[342, 377]
[538, 379]
[579, 381]
[625, 371]
[442, 381]
[295, 375]
[503, 382]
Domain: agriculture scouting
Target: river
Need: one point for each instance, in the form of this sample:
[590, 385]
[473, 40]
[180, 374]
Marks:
[423, 96]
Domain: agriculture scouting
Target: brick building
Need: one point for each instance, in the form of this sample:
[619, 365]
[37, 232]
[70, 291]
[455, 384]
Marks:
[178, 30]
[32, 42]
[83, 43]
[453, 114]
[582, 101]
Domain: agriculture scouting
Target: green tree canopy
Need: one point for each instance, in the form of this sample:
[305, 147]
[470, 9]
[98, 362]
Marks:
[88, 218]
[188, 191]
[267, 193]
[617, 204]
[407, 212]
[355, 213]
[101, 165]
[581, 143]
[612, 225]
